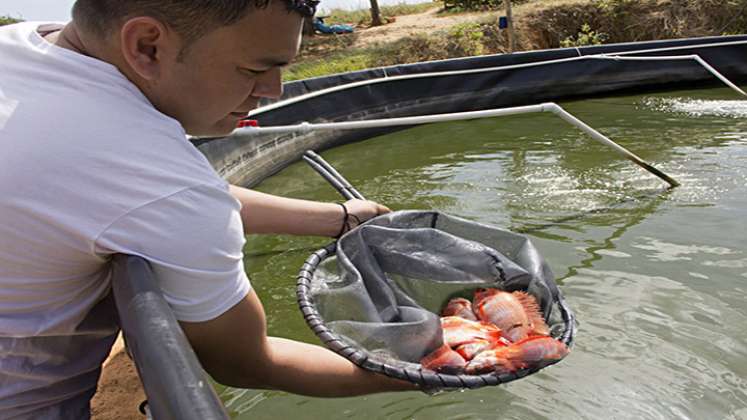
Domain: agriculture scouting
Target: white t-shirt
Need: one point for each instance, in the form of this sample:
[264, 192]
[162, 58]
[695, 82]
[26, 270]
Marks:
[89, 168]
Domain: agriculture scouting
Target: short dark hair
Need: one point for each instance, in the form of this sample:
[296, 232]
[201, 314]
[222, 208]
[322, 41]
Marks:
[191, 19]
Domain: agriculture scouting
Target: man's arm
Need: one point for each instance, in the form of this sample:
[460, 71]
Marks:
[266, 213]
[236, 351]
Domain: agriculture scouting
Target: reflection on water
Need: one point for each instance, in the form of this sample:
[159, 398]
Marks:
[657, 277]
[699, 107]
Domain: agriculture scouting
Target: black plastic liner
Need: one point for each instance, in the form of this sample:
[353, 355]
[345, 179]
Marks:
[728, 59]
[377, 306]
[246, 159]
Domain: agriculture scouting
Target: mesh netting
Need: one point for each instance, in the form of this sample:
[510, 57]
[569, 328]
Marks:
[374, 298]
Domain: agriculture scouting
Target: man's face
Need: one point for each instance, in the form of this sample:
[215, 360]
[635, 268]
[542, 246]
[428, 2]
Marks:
[224, 74]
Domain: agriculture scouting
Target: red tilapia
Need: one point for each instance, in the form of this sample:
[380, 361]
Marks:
[527, 353]
[445, 360]
[516, 314]
[473, 348]
[458, 331]
[459, 307]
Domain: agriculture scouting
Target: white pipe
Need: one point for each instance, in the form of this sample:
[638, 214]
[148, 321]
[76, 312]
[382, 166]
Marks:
[684, 47]
[425, 119]
[389, 122]
[557, 110]
[387, 79]
[695, 57]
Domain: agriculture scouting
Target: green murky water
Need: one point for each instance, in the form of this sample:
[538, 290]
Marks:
[657, 279]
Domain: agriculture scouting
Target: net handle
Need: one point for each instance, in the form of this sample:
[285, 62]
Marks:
[330, 174]
[421, 377]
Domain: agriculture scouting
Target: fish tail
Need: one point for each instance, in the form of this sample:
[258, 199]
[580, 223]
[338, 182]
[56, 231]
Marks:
[443, 359]
[490, 361]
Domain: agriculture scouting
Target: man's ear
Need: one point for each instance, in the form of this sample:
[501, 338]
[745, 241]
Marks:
[146, 43]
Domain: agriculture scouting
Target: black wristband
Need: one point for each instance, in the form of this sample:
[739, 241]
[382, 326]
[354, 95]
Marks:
[344, 220]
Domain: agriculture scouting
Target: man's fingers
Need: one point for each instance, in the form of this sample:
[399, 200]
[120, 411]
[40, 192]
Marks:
[381, 209]
[365, 209]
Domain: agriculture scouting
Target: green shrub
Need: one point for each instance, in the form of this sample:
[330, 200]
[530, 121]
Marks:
[585, 37]
[339, 63]
[465, 39]
[7, 20]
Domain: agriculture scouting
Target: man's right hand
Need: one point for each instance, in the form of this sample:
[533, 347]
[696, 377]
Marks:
[361, 210]
[235, 351]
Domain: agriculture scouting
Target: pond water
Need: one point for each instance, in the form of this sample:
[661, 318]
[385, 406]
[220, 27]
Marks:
[657, 278]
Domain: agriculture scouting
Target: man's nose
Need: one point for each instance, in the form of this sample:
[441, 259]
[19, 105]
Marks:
[269, 84]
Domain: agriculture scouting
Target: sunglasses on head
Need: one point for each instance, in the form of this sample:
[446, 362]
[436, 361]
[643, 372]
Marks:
[305, 7]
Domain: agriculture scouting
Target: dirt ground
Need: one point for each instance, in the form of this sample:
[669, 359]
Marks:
[434, 20]
[406, 25]
[119, 392]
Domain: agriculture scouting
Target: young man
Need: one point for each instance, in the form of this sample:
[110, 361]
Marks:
[93, 118]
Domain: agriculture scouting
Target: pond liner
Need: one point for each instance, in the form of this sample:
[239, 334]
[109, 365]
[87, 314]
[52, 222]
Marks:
[246, 159]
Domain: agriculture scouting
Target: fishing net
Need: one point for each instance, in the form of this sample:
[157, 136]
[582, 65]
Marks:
[374, 296]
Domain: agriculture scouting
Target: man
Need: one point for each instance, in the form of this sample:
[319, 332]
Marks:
[93, 118]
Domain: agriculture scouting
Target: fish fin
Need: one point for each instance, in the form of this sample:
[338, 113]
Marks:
[470, 350]
[502, 342]
[493, 360]
[443, 358]
[534, 314]
[495, 335]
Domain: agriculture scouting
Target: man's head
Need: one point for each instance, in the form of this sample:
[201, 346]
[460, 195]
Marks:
[205, 63]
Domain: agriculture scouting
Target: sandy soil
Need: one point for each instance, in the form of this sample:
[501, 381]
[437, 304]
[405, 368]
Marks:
[119, 392]
[430, 21]
[406, 25]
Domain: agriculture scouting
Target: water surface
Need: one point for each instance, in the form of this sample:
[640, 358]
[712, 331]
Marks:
[658, 279]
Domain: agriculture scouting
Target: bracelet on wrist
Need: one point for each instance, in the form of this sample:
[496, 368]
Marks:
[345, 218]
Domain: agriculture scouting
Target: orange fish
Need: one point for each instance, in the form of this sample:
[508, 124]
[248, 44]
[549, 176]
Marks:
[459, 307]
[458, 331]
[445, 360]
[527, 353]
[473, 348]
[516, 314]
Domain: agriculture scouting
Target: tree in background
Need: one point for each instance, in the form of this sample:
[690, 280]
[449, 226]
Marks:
[375, 13]
[7, 20]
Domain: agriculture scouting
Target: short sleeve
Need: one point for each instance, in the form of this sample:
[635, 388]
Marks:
[194, 242]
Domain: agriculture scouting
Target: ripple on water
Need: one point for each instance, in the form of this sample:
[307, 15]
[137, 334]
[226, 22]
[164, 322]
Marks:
[698, 107]
[665, 251]
[660, 341]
